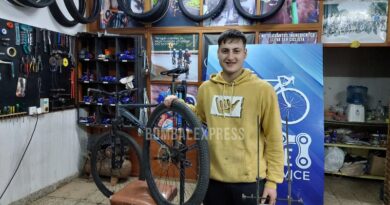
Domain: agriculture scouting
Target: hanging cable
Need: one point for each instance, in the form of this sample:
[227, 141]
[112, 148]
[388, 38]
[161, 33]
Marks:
[21, 159]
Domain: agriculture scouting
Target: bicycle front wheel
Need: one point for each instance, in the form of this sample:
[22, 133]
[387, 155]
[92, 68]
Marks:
[176, 156]
[112, 159]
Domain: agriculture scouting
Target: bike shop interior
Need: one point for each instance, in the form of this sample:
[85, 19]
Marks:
[327, 61]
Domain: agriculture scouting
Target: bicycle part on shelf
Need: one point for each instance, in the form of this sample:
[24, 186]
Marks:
[261, 17]
[211, 14]
[56, 12]
[181, 158]
[75, 13]
[153, 15]
[114, 156]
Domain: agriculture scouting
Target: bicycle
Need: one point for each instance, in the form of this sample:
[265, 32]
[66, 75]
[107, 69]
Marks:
[292, 101]
[175, 156]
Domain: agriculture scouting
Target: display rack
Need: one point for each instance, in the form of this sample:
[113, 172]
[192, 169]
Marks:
[101, 66]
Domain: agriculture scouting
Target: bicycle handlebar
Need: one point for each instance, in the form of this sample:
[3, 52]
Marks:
[110, 93]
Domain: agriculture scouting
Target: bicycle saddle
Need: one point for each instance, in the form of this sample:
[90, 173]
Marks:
[176, 71]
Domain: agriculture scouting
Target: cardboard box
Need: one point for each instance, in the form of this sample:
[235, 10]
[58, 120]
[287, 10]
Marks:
[377, 165]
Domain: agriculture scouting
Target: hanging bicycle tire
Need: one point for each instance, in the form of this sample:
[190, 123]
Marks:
[261, 17]
[32, 3]
[182, 163]
[108, 152]
[78, 16]
[153, 15]
[15, 3]
[211, 14]
[57, 14]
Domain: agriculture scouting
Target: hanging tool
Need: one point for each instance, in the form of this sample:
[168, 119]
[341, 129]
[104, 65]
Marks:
[12, 68]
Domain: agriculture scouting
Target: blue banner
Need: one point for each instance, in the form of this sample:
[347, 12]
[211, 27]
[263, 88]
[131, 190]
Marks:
[296, 72]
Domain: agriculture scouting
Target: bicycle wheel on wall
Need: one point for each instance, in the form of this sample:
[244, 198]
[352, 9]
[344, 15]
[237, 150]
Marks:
[176, 155]
[113, 151]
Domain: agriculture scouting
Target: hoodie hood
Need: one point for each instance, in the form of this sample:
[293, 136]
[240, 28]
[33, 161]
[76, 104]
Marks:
[245, 76]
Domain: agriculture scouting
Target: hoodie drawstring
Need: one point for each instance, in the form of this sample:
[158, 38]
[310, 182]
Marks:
[223, 101]
[231, 98]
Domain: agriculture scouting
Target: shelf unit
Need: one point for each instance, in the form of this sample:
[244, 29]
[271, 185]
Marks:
[105, 73]
[363, 150]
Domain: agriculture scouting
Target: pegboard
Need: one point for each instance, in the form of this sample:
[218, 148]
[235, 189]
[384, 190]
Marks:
[39, 59]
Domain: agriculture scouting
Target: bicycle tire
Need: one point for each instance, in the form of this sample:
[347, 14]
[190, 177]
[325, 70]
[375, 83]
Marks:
[165, 156]
[74, 12]
[96, 152]
[153, 15]
[57, 14]
[36, 4]
[15, 3]
[212, 14]
[261, 17]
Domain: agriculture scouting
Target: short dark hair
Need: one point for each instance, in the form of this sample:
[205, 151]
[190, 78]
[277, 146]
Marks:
[231, 34]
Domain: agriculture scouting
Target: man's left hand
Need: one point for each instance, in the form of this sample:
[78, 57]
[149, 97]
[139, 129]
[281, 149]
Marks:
[271, 193]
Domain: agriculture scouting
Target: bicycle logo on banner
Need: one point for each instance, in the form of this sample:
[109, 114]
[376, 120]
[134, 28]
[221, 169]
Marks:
[292, 102]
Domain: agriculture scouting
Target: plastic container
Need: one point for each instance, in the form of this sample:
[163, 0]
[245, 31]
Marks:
[357, 94]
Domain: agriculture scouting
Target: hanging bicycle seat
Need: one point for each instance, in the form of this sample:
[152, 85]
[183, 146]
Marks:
[176, 71]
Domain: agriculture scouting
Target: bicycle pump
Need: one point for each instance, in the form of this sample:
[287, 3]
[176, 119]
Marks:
[289, 199]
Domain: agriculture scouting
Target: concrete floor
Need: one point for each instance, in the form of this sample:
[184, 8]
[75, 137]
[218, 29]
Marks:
[338, 191]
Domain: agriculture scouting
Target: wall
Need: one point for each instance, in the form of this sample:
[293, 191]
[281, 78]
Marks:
[37, 17]
[362, 66]
[55, 153]
[58, 145]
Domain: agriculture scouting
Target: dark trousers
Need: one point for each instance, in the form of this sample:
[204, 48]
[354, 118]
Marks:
[221, 193]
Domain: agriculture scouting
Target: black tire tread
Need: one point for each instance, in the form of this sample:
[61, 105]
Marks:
[124, 136]
[202, 184]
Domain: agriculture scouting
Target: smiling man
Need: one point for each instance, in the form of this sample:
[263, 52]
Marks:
[230, 103]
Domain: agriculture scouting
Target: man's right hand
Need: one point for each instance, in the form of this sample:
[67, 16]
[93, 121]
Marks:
[169, 99]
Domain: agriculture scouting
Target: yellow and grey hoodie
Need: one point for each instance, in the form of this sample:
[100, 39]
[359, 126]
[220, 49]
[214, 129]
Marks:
[230, 111]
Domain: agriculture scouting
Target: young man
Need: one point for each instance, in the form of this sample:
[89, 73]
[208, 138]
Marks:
[230, 103]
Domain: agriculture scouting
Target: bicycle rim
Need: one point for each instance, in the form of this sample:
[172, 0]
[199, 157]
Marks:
[182, 164]
[211, 14]
[298, 107]
[262, 17]
[127, 153]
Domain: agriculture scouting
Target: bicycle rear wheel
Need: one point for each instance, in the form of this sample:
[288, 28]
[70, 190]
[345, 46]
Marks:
[110, 160]
[176, 155]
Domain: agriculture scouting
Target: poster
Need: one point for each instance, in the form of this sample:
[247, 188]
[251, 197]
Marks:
[292, 11]
[112, 17]
[288, 37]
[229, 16]
[355, 20]
[175, 17]
[296, 73]
[171, 51]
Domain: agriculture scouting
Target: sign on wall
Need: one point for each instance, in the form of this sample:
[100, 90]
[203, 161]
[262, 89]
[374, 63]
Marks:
[288, 37]
[296, 73]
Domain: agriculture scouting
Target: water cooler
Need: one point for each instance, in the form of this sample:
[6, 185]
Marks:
[356, 99]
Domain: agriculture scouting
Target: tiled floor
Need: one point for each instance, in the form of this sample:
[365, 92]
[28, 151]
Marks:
[338, 191]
